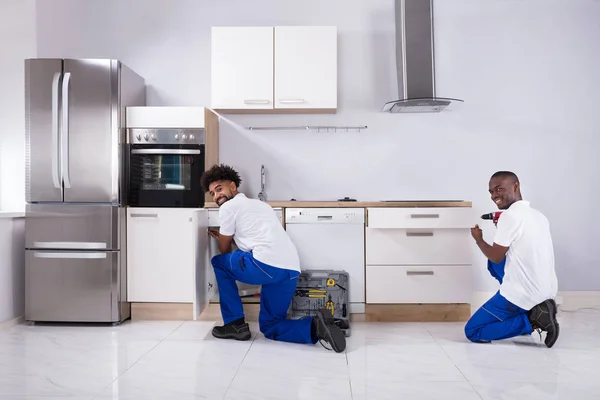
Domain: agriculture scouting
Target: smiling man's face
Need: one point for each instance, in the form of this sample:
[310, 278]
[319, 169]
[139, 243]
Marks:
[504, 192]
[222, 191]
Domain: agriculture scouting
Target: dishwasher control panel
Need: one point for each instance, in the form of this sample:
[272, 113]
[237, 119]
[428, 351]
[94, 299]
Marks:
[325, 215]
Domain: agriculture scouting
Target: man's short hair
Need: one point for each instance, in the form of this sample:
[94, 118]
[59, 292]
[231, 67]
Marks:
[506, 174]
[219, 173]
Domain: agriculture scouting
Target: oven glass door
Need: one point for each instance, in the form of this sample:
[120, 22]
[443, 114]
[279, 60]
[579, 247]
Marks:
[166, 175]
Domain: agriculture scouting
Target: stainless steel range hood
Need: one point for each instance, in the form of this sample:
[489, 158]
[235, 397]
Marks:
[415, 62]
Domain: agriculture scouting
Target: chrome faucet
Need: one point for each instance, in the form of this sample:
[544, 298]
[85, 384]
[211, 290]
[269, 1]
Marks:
[262, 195]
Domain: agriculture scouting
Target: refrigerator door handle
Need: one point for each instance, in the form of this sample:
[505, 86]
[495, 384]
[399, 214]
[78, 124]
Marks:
[39, 254]
[55, 146]
[65, 130]
[70, 245]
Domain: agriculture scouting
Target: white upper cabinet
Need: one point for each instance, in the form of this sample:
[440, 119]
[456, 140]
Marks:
[281, 68]
[306, 67]
[242, 67]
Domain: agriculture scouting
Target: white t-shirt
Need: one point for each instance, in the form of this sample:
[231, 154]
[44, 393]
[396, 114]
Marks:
[529, 275]
[256, 228]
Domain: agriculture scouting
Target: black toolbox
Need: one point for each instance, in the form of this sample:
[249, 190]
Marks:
[318, 289]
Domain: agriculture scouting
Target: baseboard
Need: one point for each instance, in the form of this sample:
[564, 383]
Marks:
[566, 300]
[212, 312]
[577, 300]
[416, 313]
[11, 323]
[162, 311]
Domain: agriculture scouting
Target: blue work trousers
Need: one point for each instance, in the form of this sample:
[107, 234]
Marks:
[278, 287]
[498, 318]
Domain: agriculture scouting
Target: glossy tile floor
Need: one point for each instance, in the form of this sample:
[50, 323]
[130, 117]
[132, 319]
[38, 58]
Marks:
[181, 360]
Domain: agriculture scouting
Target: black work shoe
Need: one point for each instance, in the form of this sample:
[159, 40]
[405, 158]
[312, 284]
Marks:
[328, 331]
[232, 331]
[543, 317]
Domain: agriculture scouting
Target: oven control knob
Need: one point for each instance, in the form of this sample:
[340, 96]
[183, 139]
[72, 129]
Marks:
[191, 137]
[138, 137]
[146, 137]
[153, 137]
[183, 137]
[176, 137]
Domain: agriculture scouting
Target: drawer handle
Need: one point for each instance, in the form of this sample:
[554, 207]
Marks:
[424, 215]
[419, 272]
[421, 234]
[140, 215]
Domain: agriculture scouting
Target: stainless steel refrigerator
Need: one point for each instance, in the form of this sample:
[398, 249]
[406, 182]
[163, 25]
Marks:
[75, 227]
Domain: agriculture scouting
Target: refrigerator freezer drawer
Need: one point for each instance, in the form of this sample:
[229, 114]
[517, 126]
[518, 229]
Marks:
[71, 286]
[66, 226]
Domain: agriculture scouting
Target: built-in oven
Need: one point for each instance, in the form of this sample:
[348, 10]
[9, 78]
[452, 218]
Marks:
[164, 167]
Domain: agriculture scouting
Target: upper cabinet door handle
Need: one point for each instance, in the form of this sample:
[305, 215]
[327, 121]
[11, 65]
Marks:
[256, 101]
[292, 101]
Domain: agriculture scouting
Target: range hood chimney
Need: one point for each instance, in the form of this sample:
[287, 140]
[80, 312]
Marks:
[415, 62]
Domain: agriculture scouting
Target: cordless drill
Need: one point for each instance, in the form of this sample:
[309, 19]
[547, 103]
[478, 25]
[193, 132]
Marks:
[493, 216]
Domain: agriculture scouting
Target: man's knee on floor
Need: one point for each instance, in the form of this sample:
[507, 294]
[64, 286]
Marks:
[265, 328]
[471, 331]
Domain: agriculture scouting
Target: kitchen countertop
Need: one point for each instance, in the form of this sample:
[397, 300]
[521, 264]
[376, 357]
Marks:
[360, 204]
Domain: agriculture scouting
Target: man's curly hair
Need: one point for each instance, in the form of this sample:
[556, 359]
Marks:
[219, 173]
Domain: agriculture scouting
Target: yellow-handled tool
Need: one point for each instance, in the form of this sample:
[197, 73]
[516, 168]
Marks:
[329, 306]
[330, 282]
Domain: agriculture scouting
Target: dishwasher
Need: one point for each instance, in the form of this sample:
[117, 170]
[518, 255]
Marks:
[332, 238]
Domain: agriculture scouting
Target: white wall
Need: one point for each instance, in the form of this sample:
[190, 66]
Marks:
[12, 268]
[527, 70]
[17, 42]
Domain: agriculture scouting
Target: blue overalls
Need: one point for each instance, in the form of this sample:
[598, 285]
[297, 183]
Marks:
[278, 287]
[498, 318]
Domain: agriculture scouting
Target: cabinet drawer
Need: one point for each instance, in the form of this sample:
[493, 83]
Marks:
[418, 284]
[382, 218]
[418, 246]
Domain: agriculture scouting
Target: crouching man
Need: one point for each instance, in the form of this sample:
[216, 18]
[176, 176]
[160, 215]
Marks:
[522, 260]
[266, 257]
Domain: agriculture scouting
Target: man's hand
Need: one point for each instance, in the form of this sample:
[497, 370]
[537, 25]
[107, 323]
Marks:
[224, 242]
[495, 253]
[477, 233]
[214, 232]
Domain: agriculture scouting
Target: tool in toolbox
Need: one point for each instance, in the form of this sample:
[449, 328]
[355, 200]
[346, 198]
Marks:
[312, 293]
[329, 305]
[331, 283]
[319, 289]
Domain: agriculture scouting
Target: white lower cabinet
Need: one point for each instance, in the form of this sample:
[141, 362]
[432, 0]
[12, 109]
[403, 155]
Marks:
[418, 284]
[418, 255]
[166, 255]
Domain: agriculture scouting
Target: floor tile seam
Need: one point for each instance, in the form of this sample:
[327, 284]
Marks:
[454, 363]
[239, 367]
[120, 375]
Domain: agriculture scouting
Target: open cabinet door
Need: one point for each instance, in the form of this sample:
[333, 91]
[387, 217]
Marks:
[203, 266]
